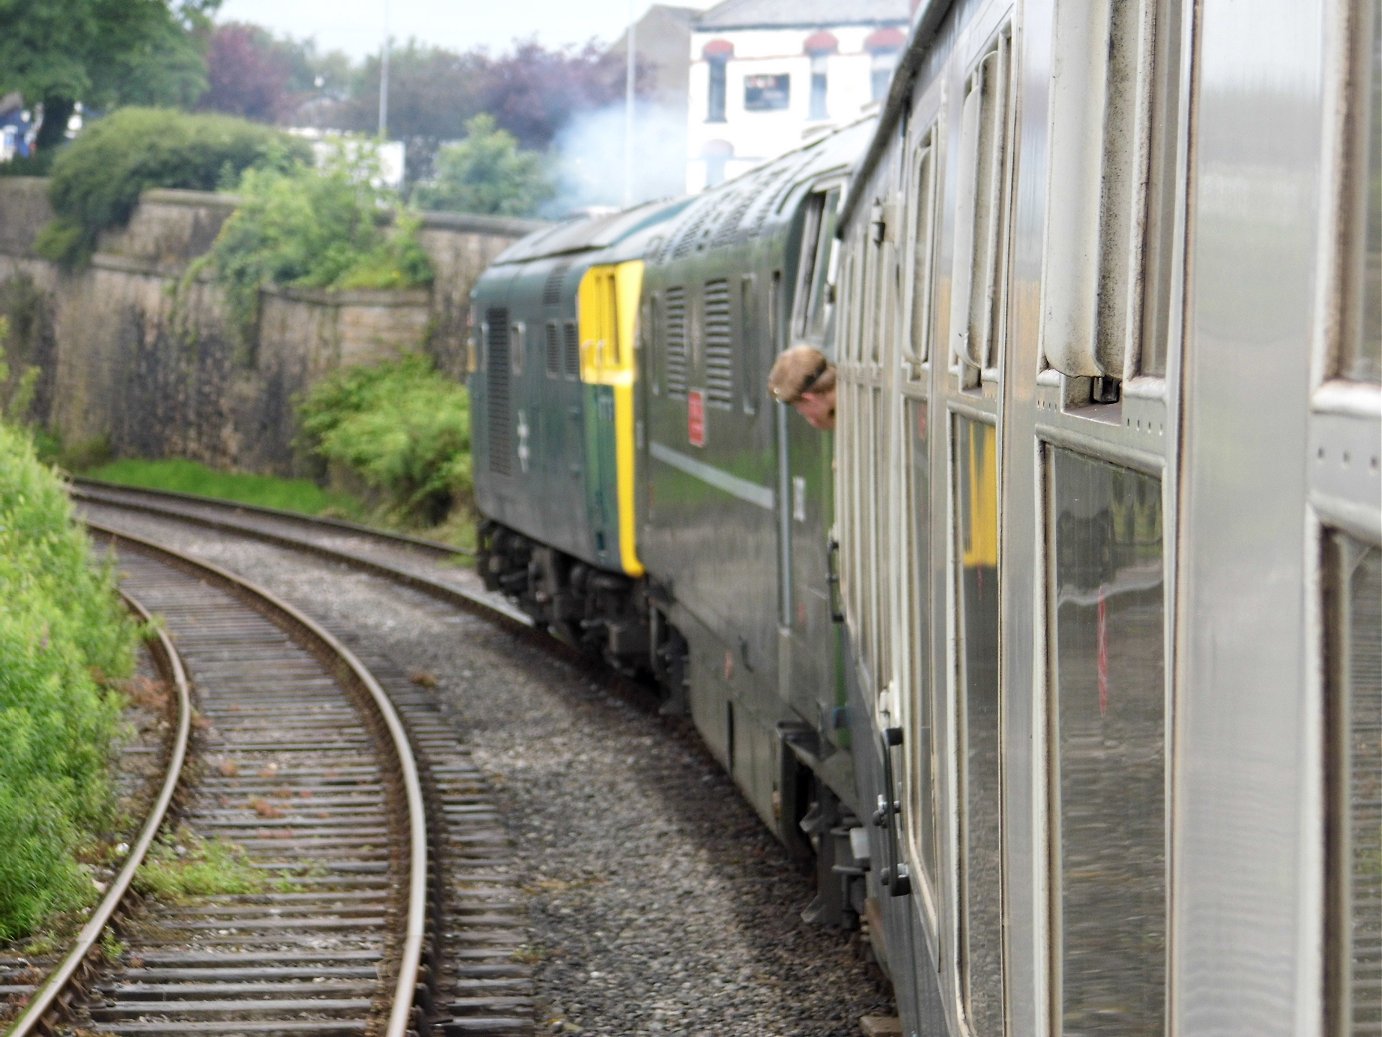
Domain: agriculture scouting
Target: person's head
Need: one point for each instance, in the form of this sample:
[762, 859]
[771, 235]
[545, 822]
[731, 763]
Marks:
[804, 379]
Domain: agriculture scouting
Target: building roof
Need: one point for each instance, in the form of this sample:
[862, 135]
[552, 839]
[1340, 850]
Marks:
[774, 14]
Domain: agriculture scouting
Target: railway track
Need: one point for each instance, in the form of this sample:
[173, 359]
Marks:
[436, 569]
[35, 986]
[513, 951]
[305, 769]
[473, 980]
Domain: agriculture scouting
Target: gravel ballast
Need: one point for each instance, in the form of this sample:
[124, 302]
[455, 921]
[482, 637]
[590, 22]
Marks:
[658, 903]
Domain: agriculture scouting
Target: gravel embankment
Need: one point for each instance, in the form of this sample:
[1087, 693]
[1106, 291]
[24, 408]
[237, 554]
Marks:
[658, 903]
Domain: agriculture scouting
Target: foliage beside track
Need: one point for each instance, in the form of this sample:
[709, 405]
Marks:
[97, 178]
[176, 475]
[309, 227]
[403, 429]
[63, 639]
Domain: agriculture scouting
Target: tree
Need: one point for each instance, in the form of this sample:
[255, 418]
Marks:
[257, 75]
[534, 92]
[247, 74]
[486, 173]
[432, 92]
[101, 52]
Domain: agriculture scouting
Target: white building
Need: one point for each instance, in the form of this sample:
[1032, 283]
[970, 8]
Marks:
[767, 73]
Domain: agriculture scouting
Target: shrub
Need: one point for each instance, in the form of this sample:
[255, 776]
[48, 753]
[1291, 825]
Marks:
[487, 173]
[402, 427]
[314, 228]
[63, 636]
[97, 179]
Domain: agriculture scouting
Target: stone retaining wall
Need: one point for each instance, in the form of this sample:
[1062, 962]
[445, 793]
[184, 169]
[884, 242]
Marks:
[156, 373]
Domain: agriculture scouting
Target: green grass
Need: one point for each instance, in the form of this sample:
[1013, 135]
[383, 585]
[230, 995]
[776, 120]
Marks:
[299, 495]
[183, 865]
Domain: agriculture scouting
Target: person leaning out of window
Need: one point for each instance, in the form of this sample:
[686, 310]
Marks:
[804, 379]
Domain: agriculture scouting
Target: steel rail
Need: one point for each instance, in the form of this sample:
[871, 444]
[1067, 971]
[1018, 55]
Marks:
[414, 937]
[491, 607]
[59, 981]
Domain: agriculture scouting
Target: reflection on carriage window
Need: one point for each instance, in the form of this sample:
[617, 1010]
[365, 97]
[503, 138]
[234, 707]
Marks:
[976, 619]
[1108, 687]
[1354, 618]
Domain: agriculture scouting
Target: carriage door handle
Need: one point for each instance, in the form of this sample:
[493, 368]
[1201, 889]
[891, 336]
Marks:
[832, 579]
[895, 876]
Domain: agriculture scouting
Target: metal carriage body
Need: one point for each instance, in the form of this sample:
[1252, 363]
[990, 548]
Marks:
[1110, 518]
[551, 383]
[734, 498]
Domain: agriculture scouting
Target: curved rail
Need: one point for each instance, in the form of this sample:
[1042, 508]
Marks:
[490, 605]
[81, 485]
[58, 982]
[414, 937]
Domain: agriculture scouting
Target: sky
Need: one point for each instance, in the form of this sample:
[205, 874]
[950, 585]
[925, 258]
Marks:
[358, 26]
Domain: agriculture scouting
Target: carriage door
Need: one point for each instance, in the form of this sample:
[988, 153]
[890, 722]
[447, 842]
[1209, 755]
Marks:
[805, 485]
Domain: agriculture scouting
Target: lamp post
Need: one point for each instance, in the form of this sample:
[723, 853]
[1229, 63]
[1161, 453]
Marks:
[629, 39]
[384, 80]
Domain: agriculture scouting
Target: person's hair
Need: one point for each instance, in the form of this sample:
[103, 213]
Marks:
[799, 370]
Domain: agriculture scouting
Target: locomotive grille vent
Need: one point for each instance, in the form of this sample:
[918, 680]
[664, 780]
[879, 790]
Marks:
[553, 350]
[676, 343]
[771, 196]
[500, 399]
[551, 290]
[719, 346]
[572, 352]
[685, 243]
[728, 229]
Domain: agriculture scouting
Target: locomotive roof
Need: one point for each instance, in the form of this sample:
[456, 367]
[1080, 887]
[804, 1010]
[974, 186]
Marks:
[586, 233]
[739, 209]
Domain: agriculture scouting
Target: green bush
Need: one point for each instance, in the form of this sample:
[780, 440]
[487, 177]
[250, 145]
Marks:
[97, 179]
[63, 637]
[315, 228]
[402, 427]
[487, 172]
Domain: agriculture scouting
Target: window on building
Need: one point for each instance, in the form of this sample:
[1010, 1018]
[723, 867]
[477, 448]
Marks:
[766, 93]
[716, 104]
[717, 154]
[881, 73]
[818, 87]
[884, 47]
[818, 47]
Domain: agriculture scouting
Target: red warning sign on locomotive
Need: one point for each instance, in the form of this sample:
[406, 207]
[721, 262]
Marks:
[695, 417]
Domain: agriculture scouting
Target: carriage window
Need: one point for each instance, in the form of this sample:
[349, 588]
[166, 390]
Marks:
[1353, 618]
[975, 493]
[920, 740]
[1362, 348]
[518, 344]
[1110, 192]
[1106, 617]
[979, 297]
[921, 254]
[818, 266]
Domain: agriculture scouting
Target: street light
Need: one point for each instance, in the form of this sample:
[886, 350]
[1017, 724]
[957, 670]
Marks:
[628, 109]
[384, 80]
